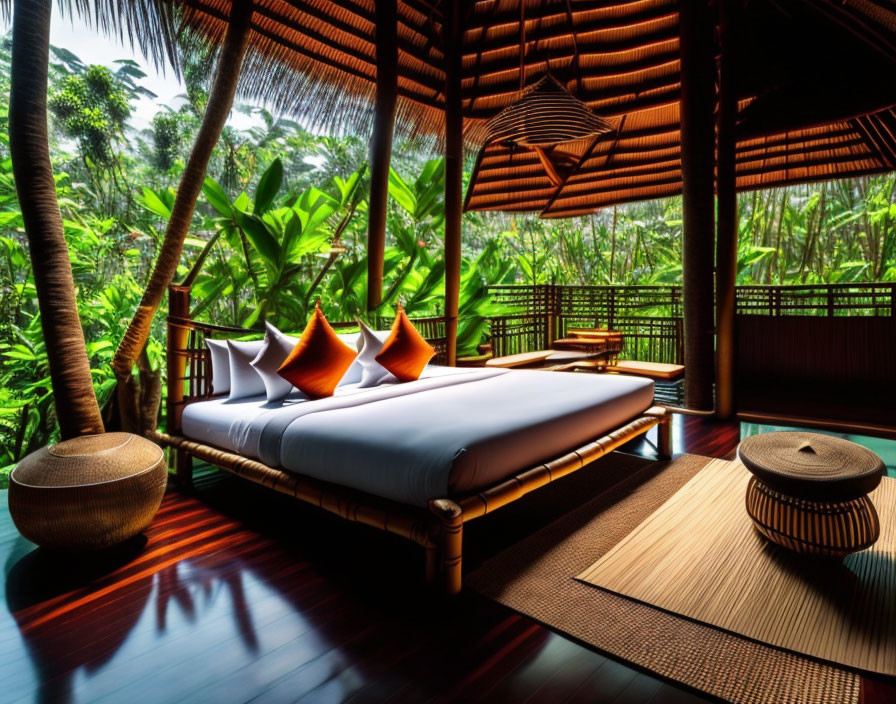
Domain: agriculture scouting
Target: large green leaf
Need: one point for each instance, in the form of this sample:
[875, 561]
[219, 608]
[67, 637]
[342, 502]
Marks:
[314, 206]
[402, 192]
[216, 197]
[263, 241]
[153, 203]
[268, 187]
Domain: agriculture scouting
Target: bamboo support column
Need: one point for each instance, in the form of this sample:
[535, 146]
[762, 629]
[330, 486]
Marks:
[454, 166]
[178, 335]
[380, 154]
[697, 166]
[451, 541]
[727, 225]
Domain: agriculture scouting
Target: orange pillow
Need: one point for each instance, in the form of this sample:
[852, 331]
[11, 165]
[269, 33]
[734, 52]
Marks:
[319, 360]
[405, 353]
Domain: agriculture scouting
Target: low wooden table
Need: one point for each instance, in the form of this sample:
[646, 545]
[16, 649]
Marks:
[809, 492]
[541, 359]
[583, 344]
[523, 359]
[652, 370]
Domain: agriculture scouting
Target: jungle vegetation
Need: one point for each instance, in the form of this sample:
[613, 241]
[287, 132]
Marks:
[282, 222]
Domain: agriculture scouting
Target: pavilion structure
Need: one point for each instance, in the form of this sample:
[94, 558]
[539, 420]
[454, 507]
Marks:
[702, 98]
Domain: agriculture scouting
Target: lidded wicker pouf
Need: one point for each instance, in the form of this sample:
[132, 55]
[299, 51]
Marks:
[89, 492]
[809, 492]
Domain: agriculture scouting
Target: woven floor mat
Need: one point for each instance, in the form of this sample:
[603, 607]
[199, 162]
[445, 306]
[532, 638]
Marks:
[536, 577]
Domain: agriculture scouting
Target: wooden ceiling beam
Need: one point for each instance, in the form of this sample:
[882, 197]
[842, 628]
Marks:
[598, 39]
[487, 19]
[633, 196]
[404, 44]
[380, 154]
[563, 67]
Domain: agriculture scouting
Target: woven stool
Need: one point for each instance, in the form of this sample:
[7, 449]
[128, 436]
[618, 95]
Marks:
[88, 493]
[809, 492]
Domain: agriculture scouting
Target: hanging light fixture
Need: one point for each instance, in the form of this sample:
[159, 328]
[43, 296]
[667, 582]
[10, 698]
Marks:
[546, 115]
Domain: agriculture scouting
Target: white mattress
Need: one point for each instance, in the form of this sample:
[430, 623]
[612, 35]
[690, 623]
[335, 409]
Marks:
[451, 432]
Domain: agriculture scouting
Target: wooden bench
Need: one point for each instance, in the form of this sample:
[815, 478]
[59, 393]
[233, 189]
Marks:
[523, 359]
[668, 379]
[544, 359]
[652, 370]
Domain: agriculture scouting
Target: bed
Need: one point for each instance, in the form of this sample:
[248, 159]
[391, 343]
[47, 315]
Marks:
[417, 459]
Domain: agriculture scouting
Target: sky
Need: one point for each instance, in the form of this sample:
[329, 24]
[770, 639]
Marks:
[93, 47]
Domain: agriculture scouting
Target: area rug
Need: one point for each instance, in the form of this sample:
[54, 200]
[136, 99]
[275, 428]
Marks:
[698, 556]
[536, 577]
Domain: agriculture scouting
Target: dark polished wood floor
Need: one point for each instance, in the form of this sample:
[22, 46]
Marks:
[236, 594]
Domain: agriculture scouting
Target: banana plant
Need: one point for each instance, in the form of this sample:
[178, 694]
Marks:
[279, 243]
[411, 271]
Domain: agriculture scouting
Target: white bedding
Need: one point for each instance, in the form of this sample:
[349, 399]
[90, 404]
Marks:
[452, 431]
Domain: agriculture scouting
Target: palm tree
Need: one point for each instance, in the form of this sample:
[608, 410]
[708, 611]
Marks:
[217, 110]
[76, 405]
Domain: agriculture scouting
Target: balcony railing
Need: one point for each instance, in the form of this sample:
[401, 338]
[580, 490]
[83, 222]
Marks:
[652, 317]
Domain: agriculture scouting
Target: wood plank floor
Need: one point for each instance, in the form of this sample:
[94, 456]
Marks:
[237, 594]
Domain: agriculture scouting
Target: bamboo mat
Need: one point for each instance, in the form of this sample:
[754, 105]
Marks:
[536, 577]
[698, 556]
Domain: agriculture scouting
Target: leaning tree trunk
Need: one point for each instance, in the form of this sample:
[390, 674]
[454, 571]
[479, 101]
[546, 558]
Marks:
[76, 406]
[132, 398]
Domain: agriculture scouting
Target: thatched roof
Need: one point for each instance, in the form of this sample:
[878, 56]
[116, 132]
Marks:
[816, 83]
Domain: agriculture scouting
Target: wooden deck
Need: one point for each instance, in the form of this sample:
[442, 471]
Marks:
[242, 595]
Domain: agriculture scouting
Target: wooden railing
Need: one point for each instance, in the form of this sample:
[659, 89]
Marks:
[849, 300]
[651, 316]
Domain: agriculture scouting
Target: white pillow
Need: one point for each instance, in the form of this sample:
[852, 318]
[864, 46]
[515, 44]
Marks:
[274, 351]
[352, 339]
[244, 380]
[372, 373]
[220, 359]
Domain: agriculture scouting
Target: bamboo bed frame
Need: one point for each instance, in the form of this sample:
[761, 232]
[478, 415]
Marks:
[439, 530]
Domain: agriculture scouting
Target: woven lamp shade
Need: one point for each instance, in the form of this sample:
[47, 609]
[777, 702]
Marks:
[88, 493]
[545, 116]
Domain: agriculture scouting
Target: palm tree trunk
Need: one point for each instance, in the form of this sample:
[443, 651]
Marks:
[217, 110]
[77, 410]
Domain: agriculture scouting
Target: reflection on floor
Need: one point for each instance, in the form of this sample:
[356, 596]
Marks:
[239, 594]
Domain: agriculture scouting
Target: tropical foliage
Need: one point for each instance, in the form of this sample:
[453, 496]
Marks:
[282, 222]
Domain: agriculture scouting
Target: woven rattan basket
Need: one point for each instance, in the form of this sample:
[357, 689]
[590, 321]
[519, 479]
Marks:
[88, 493]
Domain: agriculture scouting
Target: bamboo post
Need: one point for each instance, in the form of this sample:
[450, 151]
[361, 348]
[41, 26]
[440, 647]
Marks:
[380, 156]
[220, 101]
[552, 306]
[451, 538]
[178, 335]
[697, 162]
[454, 166]
[727, 225]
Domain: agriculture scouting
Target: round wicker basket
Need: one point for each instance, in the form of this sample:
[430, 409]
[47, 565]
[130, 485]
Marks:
[88, 493]
[831, 529]
[809, 492]
[812, 466]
